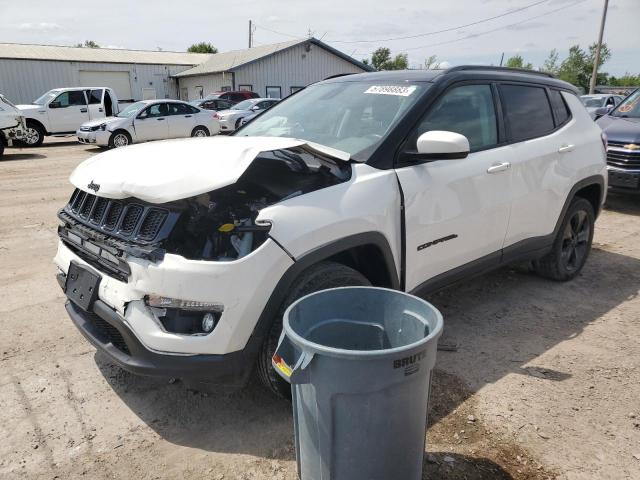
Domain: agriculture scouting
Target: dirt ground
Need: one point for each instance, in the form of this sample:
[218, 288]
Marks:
[544, 382]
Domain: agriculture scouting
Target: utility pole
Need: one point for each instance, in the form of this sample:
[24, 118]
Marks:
[594, 75]
[501, 58]
[250, 34]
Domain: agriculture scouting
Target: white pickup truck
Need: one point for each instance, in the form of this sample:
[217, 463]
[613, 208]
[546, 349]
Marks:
[63, 110]
[12, 124]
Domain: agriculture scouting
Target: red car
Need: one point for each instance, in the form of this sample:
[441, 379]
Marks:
[233, 97]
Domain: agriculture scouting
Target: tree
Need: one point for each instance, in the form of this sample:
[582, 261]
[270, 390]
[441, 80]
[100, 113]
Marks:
[381, 60]
[431, 63]
[202, 47]
[627, 80]
[550, 65]
[577, 68]
[87, 44]
[518, 62]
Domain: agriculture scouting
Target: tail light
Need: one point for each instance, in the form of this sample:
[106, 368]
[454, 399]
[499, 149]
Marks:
[605, 142]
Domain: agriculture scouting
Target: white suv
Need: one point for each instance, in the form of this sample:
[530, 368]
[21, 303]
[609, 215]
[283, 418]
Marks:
[179, 258]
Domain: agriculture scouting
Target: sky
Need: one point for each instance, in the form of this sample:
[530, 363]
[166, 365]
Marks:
[357, 27]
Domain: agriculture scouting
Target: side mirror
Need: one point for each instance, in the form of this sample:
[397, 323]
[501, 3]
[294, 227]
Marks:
[255, 108]
[55, 104]
[442, 145]
[602, 111]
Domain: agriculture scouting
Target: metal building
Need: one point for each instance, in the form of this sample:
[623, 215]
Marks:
[28, 71]
[275, 70]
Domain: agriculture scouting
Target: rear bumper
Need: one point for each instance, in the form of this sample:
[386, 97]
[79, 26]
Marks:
[106, 330]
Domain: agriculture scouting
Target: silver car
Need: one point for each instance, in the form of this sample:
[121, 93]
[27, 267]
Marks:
[149, 120]
[230, 120]
[600, 100]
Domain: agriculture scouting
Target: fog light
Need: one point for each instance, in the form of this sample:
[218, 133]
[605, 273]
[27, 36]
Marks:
[208, 322]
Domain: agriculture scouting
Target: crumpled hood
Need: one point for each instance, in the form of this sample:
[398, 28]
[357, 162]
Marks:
[100, 121]
[170, 170]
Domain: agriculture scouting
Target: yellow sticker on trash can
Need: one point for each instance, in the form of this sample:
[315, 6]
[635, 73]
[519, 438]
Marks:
[283, 367]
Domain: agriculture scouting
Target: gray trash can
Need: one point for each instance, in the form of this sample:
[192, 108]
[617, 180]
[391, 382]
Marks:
[359, 360]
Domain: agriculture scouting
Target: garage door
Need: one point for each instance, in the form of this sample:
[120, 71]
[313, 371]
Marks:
[119, 81]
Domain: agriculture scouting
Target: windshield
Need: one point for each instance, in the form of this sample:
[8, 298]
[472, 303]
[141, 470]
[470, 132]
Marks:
[244, 105]
[46, 97]
[348, 116]
[131, 110]
[630, 106]
[593, 102]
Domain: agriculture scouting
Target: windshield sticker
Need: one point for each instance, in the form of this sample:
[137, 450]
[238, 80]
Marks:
[398, 90]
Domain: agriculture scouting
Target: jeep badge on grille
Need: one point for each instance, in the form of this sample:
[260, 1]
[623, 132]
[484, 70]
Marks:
[93, 186]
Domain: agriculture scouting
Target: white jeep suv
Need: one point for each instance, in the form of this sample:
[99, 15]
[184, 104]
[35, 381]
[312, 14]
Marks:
[178, 258]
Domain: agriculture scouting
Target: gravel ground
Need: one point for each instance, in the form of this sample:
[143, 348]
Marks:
[544, 382]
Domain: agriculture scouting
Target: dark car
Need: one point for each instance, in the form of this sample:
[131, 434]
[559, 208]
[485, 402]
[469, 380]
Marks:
[622, 126]
[233, 97]
[214, 104]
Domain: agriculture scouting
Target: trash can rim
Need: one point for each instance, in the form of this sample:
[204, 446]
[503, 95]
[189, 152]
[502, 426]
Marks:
[435, 332]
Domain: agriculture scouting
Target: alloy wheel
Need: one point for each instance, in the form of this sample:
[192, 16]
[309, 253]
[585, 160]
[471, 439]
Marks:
[120, 140]
[32, 136]
[575, 241]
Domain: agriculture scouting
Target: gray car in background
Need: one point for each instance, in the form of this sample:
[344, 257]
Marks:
[600, 100]
[231, 119]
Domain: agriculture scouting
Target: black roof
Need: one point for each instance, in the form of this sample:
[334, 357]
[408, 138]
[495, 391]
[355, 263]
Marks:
[462, 72]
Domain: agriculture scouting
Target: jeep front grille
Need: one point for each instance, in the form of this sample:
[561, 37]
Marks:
[124, 220]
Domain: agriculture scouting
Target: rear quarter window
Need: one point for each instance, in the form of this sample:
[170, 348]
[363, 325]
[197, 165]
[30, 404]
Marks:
[559, 106]
[527, 111]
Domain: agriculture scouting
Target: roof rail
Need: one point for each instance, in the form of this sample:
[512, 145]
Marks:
[460, 68]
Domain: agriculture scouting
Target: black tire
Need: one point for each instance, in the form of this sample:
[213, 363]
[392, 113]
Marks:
[120, 138]
[238, 123]
[1, 146]
[572, 244]
[34, 136]
[200, 131]
[318, 277]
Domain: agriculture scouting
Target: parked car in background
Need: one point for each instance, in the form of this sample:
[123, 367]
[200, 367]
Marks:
[12, 124]
[214, 104]
[598, 101]
[179, 259]
[231, 119]
[233, 97]
[622, 127]
[63, 110]
[149, 120]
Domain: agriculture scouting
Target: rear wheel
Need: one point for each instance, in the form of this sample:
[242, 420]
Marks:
[318, 277]
[572, 244]
[33, 135]
[119, 138]
[200, 132]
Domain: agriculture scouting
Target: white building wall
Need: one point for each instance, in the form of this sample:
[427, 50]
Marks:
[22, 81]
[295, 67]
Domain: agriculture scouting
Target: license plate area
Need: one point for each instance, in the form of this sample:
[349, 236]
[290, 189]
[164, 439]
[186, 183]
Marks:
[621, 179]
[82, 286]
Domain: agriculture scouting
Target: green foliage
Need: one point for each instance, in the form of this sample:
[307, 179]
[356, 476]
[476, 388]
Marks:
[518, 62]
[431, 63]
[551, 64]
[577, 68]
[202, 47]
[87, 44]
[627, 80]
[381, 60]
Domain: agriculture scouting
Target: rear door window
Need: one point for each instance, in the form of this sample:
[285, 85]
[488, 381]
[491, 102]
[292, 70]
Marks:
[560, 109]
[527, 111]
[95, 96]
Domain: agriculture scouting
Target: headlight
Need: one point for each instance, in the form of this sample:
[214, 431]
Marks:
[102, 127]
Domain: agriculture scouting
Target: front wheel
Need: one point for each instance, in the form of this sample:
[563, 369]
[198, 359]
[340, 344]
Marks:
[33, 135]
[318, 277]
[200, 132]
[572, 244]
[119, 139]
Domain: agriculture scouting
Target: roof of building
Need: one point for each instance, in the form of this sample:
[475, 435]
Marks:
[106, 55]
[228, 61]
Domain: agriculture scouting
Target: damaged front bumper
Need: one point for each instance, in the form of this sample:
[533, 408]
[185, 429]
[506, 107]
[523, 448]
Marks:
[97, 137]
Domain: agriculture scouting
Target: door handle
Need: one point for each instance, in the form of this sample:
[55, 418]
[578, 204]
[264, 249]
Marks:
[187, 116]
[83, 110]
[100, 110]
[159, 119]
[499, 167]
[566, 148]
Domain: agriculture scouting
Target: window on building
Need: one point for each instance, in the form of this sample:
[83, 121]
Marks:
[274, 92]
[247, 88]
[295, 89]
[526, 110]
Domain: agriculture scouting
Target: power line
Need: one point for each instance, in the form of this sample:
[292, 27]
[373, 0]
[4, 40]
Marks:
[474, 35]
[450, 29]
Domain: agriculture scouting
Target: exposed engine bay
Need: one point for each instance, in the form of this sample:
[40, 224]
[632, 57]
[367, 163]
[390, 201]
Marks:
[221, 225]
